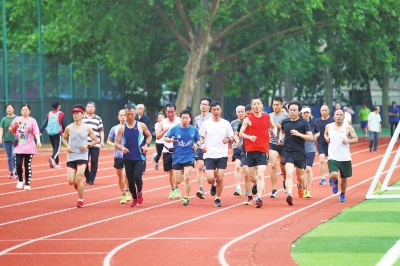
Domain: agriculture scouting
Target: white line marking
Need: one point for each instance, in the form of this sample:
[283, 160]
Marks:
[391, 256]
[59, 253]
[122, 238]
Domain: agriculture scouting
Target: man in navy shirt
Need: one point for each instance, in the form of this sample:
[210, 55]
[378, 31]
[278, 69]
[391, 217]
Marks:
[393, 118]
[141, 117]
[185, 138]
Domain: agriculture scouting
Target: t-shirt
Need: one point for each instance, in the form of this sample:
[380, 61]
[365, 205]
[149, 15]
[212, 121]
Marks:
[97, 125]
[364, 112]
[168, 124]
[321, 127]
[294, 143]
[113, 136]
[199, 120]
[4, 124]
[347, 117]
[374, 121]
[277, 118]
[161, 140]
[214, 134]
[392, 118]
[183, 149]
[309, 145]
[25, 135]
[235, 124]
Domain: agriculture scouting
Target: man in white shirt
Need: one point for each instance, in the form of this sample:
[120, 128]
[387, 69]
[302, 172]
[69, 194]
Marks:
[374, 128]
[215, 134]
[347, 116]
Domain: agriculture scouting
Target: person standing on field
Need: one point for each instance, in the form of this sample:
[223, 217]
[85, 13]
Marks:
[394, 118]
[7, 139]
[374, 128]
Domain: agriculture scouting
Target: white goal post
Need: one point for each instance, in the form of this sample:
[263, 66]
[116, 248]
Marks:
[384, 187]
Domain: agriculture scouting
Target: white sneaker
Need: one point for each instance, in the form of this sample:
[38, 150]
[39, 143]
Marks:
[27, 187]
[20, 184]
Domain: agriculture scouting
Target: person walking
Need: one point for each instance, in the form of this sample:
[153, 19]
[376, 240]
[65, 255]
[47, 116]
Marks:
[26, 130]
[374, 128]
[7, 139]
[394, 118]
[141, 117]
[133, 133]
[55, 124]
[339, 136]
[159, 142]
[363, 114]
[96, 123]
[184, 138]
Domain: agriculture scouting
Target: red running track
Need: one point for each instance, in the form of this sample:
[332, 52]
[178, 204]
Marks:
[43, 227]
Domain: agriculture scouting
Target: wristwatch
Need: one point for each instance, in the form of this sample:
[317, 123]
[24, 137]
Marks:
[148, 144]
[88, 146]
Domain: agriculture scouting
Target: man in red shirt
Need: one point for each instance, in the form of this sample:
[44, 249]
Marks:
[255, 133]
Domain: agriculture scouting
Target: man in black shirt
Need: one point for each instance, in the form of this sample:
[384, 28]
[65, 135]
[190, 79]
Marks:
[141, 117]
[294, 132]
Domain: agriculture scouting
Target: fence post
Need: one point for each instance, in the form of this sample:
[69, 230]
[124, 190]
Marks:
[5, 65]
[41, 92]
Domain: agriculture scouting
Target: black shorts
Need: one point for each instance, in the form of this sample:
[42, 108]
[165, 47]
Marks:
[167, 161]
[255, 158]
[180, 166]
[236, 154]
[199, 155]
[243, 159]
[118, 163]
[216, 163]
[277, 148]
[298, 158]
[74, 164]
[344, 167]
[310, 158]
[322, 149]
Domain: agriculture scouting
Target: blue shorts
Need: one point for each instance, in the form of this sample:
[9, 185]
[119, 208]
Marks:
[180, 166]
[199, 155]
[277, 148]
[298, 158]
[255, 158]
[216, 163]
[322, 149]
[310, 158]
[243, 159]
[364, 124]
[236, 154]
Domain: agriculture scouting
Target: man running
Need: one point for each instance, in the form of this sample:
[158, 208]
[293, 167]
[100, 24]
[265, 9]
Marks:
[119, 158]
[75, 139]
[339, 135]
[164, 126]
[215, 134]
[294, 132]
[203, 116]
[132, 134]
[185, 138]
[322, 146]
[237, 149]
[255, 134]
[363, 114]
[275, 151]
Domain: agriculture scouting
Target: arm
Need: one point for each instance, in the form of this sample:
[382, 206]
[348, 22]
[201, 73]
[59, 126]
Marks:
[352, 136]
[160, 132]
[118, 141]
[147, 133]
[44, 124]
[243, 135]
[65, 139]
[326, 134]
[64, 122]
[37, 136]
[109, 142]
[274, 127]
[93, 137]
[1, 135]
[101, 138]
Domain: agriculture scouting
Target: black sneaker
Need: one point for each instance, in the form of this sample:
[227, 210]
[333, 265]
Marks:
[254, 189]
[259, 203]
[213, 190]
[217, 203]
[289, 200]
[274, 193]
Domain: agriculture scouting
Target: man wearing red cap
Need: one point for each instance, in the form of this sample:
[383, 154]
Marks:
[75, 139]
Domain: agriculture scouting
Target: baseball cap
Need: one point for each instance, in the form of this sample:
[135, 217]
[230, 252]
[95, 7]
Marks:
[306, 109]
[77, 109]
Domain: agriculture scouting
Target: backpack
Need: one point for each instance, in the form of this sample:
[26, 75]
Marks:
[53, 126]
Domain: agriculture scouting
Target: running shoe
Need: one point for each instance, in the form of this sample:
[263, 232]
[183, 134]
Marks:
[80, 204]
[238, 192]
[140, 198]
[335, 187]
[322, 182]
[284, 186]
[171, 194]
[249, 202]
[274, 193]
[27, 187]
[156, 166]
[213, 190]
[177, 193]
[289, 200]
[15, 175]
[20, 184]
[200, 194]
[308, 194]
[134, 203]
[217, 203]
[123, 199]
[254, 189]
[259, 203]
[300, 191]
[128, 196]
[11, 175]
[185, 202]
[245, 193]
[52, 162]
[342, 197]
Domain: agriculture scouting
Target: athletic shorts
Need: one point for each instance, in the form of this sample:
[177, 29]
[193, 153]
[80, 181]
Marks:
[310, 158]
[298, 158]
[277, 148]
[322, 149]
[216, 163]
[74, 164]
[243, 159]
[167, 161]
[344, 167]
[364, 124]
[199, 155]
[118, 163]
[180, 166]
[255, 158]
[236, 154]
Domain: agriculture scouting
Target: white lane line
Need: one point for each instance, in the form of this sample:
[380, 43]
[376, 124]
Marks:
[122, 238]
[391, 257]
[58, 253]
[221, 253]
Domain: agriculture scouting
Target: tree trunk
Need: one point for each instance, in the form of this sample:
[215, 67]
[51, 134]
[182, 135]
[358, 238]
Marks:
[288, 86]
[200, 89]
[218, 81]
[328, 88]
[385, 99]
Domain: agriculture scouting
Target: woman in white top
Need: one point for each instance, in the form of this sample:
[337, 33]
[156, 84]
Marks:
[159, 142]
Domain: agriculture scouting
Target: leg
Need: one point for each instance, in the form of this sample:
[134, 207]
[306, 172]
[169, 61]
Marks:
[129, 168]
[200, 177]
[247, 182]
[187, 172]
[283, 169]
[9, 147]
[238, 175]
[273, 157]
[87, 171]
[289, 167]
[376, 141]
[121, 177]
[308, 177]
[322, 162]
[28, 168]
[171, 178]
[220, 181]
[371, 140]
[56, 147]
[137, 174]
[144, 163]
[18, 164]
[178, 176]
[343, 184]
[260, 179]
[94, 162]
[79, 179]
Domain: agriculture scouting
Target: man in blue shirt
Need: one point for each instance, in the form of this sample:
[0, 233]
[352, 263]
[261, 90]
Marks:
[393, 118]
[185, 138]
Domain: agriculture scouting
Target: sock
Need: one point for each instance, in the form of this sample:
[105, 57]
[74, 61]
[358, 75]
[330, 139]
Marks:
[201, 189]
[80, 200]
[215, 183]
[249, 198]
[258, 198]
[299, 186]
[176, 187]
[289, 194]
[342, 193]
[238, 187]
[216, 197]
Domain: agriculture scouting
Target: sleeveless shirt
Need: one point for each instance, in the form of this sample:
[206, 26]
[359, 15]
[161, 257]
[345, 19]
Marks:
[133, 140]
[260, 128]
[76, 140]
[337, 150]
